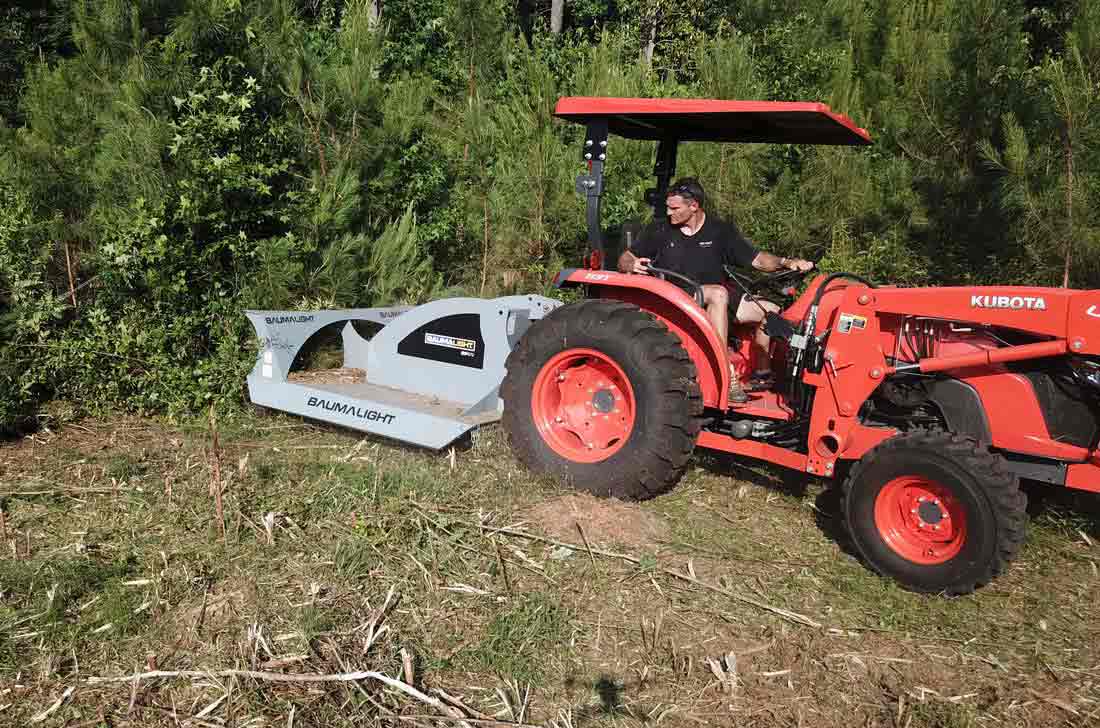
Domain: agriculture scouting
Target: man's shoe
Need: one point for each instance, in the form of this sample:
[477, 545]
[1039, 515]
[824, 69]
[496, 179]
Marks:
[761, 381]
[738, 396]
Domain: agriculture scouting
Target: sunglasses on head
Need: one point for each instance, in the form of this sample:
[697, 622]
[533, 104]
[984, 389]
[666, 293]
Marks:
[684, 191]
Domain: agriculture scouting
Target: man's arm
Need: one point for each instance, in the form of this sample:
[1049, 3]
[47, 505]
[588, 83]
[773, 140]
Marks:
[770, 263]
[636, 258]
[741, 251]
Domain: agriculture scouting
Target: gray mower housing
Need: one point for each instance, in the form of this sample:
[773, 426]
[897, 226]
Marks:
[432, 372]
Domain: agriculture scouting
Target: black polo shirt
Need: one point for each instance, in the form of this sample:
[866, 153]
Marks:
[699, 256]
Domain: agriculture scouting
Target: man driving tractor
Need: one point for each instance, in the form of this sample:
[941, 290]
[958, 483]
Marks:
[697, 245]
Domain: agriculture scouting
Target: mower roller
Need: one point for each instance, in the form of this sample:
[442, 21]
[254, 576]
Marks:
[429, 375]
[929, 405]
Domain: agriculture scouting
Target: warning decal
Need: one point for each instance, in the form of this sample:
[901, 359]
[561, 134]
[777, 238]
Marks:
[849, 321]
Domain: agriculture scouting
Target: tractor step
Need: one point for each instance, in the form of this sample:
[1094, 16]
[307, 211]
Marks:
[768, 404]
[430, 374]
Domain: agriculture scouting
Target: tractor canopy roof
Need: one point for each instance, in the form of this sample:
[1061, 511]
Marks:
[704, 120]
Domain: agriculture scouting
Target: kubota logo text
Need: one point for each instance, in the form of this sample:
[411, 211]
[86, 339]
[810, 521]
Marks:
[1030, 303]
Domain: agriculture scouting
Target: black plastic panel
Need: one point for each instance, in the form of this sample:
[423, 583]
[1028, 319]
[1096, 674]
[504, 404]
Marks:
[1069, 418]
[451, 340]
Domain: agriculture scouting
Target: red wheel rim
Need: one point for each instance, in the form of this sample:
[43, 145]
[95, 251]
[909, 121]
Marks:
[920, 520]
[583, 405]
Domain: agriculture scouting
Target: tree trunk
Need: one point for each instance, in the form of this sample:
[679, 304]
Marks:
[374, 12]
[526, 10]
[1067, 141]
[557, 12]
[72, 278]
[651, 40]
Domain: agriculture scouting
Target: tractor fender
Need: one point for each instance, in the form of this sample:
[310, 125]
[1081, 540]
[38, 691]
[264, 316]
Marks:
[961, 407]
[674, 308]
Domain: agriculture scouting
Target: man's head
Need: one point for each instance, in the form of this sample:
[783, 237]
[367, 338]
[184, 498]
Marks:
[684, 199]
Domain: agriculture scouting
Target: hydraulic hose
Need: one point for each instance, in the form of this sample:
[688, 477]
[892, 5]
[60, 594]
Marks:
[807, 326]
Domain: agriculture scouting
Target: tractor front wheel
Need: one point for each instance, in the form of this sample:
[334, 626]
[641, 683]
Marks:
[602, 395]
[937, 512]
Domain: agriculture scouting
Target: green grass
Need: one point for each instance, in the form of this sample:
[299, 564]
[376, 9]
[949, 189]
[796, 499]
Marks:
[520, 638]
[597, 640]
[940, 714]
[65, 603]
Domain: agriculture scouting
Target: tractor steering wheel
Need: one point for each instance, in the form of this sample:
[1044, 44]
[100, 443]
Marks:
[665, 274]
[769, 283]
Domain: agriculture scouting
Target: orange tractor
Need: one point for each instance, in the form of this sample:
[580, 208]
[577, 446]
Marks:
[931, 404]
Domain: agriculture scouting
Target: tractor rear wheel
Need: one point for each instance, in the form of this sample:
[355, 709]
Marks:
[603, 395]
[935, 511]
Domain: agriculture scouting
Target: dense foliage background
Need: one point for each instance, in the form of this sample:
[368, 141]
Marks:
[165, 164]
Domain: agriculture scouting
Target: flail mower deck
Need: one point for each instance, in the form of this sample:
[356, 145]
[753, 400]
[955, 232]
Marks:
[431, 373]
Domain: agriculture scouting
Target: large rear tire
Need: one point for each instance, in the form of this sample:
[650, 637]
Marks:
[935, 511]
[602, 395]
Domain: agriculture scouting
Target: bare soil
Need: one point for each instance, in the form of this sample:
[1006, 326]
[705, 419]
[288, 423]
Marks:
[603, 521]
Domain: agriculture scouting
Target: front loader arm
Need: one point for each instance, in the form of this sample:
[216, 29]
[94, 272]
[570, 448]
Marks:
[1061, 314]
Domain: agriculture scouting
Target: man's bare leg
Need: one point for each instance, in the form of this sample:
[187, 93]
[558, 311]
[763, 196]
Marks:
[717, 301]
[750, 312]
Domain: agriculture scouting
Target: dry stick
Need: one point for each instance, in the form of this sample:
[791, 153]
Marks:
[288, 678]
[474, 721]
[60, 491]
[503, 567]
[586, 544]
[72, 280]
[485, 251]
[53, 708]
[420, 509]
[216, 465]
[784, 613]
[457, 702]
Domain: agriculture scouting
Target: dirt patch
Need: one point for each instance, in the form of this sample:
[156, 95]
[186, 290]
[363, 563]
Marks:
[605, 521]
[349, 375]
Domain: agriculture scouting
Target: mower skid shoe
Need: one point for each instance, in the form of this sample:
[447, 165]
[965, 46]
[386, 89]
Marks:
[432, 372]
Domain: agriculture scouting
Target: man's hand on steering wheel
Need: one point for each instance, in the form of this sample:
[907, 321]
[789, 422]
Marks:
[797, 265]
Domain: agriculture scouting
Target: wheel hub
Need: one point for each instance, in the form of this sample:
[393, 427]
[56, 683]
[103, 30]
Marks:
[929, 512]
[920, 519]
[603, 401]
[583, 405]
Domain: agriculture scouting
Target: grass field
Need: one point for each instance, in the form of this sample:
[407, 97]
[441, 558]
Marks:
[296, 575]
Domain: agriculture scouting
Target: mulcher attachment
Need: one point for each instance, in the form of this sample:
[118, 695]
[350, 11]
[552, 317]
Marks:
[432, 372]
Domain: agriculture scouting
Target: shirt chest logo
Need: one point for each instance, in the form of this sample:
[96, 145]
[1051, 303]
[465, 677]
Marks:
[705, 243]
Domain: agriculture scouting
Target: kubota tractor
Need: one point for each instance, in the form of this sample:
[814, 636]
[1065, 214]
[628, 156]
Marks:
[930, 403]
